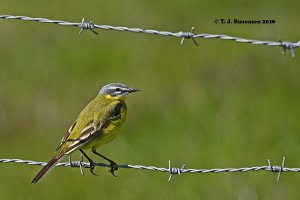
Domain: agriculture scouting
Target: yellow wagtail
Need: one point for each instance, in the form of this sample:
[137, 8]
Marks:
[96, 125]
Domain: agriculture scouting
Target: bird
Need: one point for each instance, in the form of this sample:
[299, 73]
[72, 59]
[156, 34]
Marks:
[97, 124]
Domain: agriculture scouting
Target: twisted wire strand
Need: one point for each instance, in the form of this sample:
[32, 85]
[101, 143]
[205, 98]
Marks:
[286, 45]
[171, 170]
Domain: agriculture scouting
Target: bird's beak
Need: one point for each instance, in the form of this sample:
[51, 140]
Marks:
[131, 90]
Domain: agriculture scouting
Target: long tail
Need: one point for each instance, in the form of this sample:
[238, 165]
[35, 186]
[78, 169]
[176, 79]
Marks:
[47, 167]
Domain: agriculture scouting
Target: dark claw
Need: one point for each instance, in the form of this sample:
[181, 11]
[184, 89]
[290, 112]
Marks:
[92, 167]
[113, 167]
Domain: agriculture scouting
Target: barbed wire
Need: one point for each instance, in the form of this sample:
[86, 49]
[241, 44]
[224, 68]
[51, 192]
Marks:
[171, 170]
[85, 25]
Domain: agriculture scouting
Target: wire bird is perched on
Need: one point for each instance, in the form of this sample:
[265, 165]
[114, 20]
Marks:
[97, 124]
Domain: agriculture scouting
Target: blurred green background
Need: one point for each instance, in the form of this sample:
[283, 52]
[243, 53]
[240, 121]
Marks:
[221, 104]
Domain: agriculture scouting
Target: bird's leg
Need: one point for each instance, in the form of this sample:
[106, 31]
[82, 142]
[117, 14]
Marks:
[92, 163]
[113, 166]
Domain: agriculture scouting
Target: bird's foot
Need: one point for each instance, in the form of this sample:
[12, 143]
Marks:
[113, 167]
[92, 167]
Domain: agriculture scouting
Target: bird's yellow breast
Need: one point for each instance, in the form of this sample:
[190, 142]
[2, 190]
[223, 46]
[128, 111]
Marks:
[111, 130]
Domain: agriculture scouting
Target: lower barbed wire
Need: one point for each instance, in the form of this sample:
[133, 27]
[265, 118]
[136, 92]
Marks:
[171, 170]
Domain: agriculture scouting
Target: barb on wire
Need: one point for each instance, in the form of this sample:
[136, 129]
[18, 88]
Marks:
[77, 164]
[277, 169]
[188, 35]
[171, 170]
[288, 45]
[183, 35]
[87, 25]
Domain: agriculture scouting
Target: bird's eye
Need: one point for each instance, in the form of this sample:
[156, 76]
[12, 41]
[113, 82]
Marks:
[118, 89]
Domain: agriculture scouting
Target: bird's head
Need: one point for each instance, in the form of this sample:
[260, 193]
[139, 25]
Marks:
[116, 91]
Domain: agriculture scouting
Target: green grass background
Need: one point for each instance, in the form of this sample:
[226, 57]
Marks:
[221, 104]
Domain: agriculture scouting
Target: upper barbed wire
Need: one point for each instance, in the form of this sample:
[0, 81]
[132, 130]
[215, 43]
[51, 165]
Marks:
[171, 170]
[184, 35]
